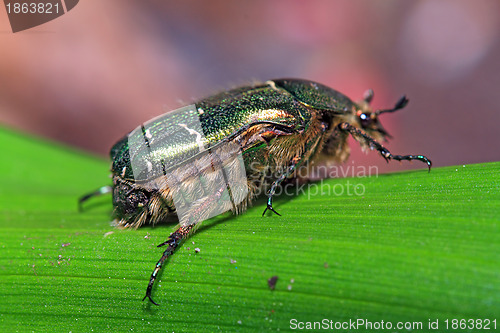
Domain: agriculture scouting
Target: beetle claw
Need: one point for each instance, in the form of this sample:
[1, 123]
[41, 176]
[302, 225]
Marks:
[151, 299]
[164, 243]
[271, 209]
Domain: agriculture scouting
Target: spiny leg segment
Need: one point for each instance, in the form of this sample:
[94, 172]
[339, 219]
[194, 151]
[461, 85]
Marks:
[362, 136]
[173, 241]
[293, 165]
[276, 183]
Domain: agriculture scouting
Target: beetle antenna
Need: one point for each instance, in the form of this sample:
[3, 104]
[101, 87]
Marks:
[99, 191]
[401, 103]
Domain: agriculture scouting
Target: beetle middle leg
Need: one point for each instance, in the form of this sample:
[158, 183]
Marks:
[275, 184]
[362, 137]
[309, 149]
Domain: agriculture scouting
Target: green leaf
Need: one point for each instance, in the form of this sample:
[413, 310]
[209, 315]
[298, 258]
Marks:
[415, 246]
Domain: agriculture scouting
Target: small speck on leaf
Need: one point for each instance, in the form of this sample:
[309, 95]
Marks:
[272, 282]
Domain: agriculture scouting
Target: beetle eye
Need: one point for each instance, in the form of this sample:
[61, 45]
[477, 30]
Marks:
[365, 119]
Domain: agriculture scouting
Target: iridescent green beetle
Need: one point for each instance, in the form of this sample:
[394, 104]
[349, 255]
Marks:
[221, 152]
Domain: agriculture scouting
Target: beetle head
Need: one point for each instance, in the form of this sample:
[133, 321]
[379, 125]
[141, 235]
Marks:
[368, 119]
[128, 200]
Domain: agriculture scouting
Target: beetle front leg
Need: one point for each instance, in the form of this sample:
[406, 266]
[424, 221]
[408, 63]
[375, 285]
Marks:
[174, 240]
[361, 136]
[99, 191]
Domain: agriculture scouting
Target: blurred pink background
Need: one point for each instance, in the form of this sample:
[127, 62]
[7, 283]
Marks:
[92, 75]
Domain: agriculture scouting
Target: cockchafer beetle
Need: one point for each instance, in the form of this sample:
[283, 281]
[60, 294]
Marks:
[216, 155]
